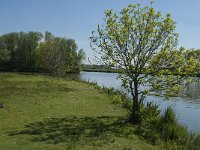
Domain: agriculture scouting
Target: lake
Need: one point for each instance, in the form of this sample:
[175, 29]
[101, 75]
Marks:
[187, 107]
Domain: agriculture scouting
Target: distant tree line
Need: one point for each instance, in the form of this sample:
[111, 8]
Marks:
[99, 68]
[33, 51]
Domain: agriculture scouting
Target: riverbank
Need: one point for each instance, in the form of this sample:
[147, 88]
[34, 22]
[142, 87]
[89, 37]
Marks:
[42, 112]
[187, 107]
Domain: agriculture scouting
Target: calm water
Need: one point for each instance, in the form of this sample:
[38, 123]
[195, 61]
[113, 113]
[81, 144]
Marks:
[187, 108]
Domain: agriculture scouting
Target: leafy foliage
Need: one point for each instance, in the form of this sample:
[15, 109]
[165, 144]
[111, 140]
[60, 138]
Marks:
[169, 116]
[142, 43]
[149, 112]
[31, 52]
[156, 128]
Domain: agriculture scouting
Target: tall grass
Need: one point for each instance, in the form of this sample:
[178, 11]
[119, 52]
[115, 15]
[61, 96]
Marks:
[156, 128]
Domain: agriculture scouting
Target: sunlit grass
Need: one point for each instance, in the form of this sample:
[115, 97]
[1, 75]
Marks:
[42, 112]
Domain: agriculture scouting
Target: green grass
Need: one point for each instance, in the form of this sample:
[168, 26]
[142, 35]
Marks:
[42, 112]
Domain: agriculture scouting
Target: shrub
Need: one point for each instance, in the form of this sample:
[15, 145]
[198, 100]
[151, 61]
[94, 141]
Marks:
[149, 112]
[174, 132]
[169, 116]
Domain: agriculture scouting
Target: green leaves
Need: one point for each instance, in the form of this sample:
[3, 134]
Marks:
[20, 48]
[30, 52]
[59, 55]
[143, 45]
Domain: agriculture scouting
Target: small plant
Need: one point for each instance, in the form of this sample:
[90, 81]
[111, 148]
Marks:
[169, 116]
[174, 132]
[149, 112]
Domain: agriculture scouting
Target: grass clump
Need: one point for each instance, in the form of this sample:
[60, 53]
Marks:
[157, 128]
[169, 116]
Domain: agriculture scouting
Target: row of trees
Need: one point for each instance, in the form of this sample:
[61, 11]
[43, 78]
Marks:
[34, 51]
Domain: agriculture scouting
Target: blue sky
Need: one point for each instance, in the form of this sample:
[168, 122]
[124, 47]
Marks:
[77, 18]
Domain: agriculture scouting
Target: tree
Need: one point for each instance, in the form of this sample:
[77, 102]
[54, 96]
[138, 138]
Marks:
[21, 51]
[10, 41]
[48, 55]
[21, 48]
[4, 56]
[141, 43]
[59, 55]
[81, 56]
[33, 40]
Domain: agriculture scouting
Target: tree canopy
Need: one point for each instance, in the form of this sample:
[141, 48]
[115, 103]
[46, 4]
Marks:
[34, 51]
[142, 43]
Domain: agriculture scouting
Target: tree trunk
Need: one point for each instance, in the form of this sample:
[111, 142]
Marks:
[135, 117]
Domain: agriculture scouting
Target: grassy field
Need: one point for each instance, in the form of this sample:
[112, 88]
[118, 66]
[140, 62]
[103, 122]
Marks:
[41, 112]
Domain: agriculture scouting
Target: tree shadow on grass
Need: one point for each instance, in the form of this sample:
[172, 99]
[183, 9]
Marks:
[73, 130]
